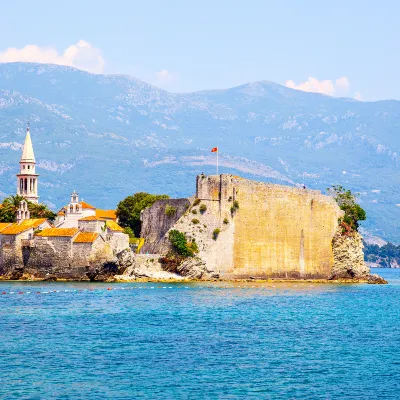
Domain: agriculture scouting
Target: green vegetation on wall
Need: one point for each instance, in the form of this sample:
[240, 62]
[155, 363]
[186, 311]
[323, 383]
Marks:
[216, 233]
[170, 210]
[203, 208]
[347, 202]
[180, 245]
[234, 207]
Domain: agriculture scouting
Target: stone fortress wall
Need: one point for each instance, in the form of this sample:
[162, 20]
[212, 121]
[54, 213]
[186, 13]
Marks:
[277, 231]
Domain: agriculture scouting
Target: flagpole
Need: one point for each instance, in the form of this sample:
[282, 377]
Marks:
[217, 159]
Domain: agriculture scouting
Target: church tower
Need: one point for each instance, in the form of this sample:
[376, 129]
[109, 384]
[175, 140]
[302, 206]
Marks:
[27, 179]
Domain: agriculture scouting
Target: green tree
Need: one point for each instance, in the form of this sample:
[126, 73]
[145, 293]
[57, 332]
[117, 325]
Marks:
[129, 209]
[10, 205]
[129, 232]
[347, 202]
[41, 211]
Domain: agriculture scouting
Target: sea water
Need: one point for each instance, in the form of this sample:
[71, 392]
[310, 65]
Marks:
[200, 340]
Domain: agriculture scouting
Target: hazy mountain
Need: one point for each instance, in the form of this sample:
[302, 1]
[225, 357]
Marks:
[108, 136]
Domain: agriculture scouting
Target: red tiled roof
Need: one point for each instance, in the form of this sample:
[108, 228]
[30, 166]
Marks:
[113, 226]
[86, 237]
[91, 218]
[16, 229]
[86, 205]
[106, 214]
[58, 232]
[4, 225]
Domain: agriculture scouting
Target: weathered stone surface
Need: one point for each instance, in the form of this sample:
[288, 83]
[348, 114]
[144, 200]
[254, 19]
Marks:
[156, 223]
[142, 266]
[274, 231]
[348, 256]
[195, 268]
[376, 279]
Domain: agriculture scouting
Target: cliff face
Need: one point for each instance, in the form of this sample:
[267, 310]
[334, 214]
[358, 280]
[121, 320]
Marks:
[250, 229]
[157, 220]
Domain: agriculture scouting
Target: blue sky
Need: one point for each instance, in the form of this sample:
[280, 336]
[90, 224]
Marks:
[194, 45]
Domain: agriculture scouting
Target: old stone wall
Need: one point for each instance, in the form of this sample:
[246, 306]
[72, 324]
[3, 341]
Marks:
[119, 242]
[156, 223]
[61, 258]
[91, 226]
[263, 230]
[282, 231]
[81, 253]
[10, 254]
[13, 254]
[52, 257]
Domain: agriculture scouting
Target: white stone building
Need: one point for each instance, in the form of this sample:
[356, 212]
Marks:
[70, 215]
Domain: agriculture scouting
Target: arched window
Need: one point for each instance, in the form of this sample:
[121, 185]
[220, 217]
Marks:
[26, 214]
[77, 208]
[71, 208]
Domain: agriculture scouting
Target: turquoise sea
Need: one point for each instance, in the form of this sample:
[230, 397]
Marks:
[200, 341]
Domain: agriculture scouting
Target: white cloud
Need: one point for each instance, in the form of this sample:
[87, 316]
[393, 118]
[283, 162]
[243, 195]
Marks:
[80, 55]
[339, 87]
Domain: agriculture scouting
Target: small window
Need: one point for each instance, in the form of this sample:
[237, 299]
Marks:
[29, 167]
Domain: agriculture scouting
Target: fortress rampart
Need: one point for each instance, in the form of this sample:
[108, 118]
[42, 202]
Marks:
[265, 230]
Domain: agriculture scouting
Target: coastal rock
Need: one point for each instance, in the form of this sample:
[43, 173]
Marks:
[109, 269]
[195, 268]
[349, 259]
[348, 256]
[376, 279]
[133, 266]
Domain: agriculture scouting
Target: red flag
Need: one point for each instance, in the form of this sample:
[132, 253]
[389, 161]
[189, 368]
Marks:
[214, 149]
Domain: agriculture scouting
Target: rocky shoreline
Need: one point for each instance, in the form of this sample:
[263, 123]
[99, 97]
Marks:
[130, 267]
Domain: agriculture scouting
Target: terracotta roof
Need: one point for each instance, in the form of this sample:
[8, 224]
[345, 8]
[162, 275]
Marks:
[113, 226]
[4, 225]
[91, 218]
[86, 205]
[106, 214]
[86, 237]
[16, 229]
[58, 232]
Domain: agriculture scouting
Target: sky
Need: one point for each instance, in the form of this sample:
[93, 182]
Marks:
[340, 48]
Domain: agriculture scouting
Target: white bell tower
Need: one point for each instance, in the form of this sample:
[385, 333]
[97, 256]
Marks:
[27, 179]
